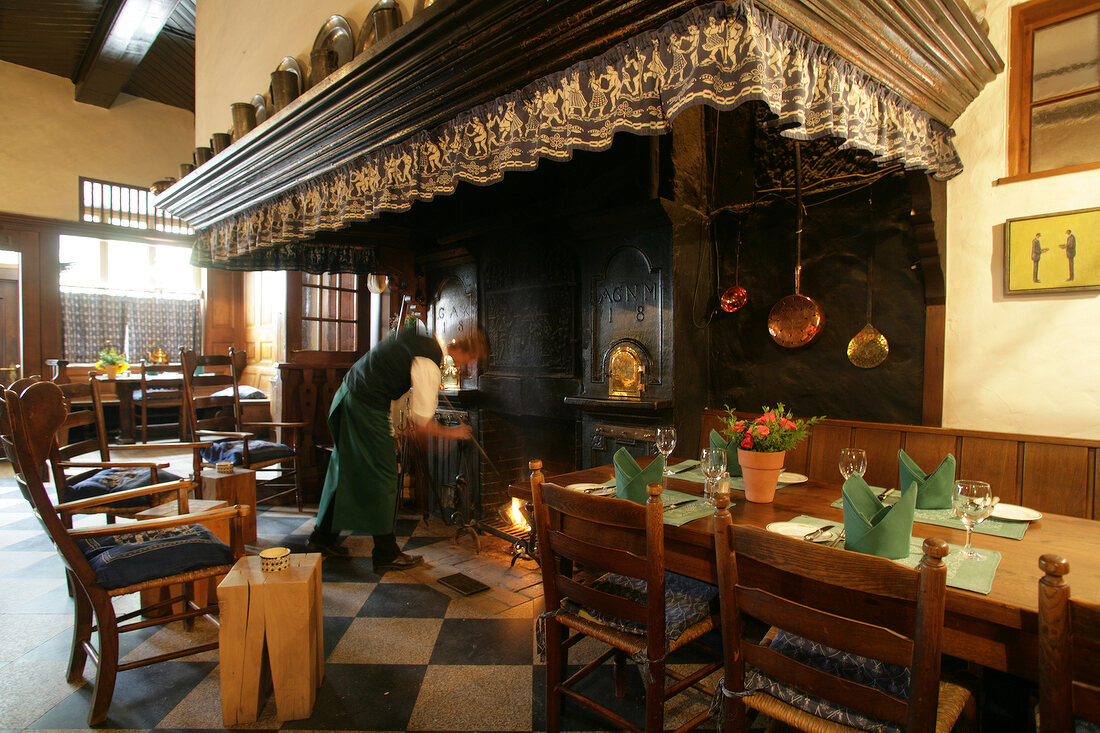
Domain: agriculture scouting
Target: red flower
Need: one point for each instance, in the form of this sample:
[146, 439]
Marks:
[766, 417]
[761, 430]
[747, 442]
[788, 424]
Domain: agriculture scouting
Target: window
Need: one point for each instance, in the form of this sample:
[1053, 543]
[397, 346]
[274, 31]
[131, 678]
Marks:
[330, 310]
[103, 202]
[1054, 87]
[137, 297]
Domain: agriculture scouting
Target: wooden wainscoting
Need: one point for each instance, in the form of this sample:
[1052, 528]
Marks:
[1049, 474]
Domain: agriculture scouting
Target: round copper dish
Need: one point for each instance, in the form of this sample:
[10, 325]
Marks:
[795, 321]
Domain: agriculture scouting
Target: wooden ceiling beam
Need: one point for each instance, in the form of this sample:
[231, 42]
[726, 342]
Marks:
[125, 31]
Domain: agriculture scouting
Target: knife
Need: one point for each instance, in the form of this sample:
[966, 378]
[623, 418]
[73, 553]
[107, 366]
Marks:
[683, 466]
[680, 503]
[810, 536]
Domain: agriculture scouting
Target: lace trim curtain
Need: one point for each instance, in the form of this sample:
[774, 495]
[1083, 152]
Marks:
[90, 321]
[161, 323]
[720, 54]
[132, 325]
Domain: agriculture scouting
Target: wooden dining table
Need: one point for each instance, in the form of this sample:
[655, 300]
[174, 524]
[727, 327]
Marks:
[997, 630]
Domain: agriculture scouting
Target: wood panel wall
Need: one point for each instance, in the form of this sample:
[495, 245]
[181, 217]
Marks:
[1049, 474]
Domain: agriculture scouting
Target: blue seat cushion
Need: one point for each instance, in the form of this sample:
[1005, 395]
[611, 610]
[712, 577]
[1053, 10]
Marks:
[246, 392]
[158, 393]
[126, 559]
[110, 480]
[232, 451]
[889, 678]
[687, 602]
[1085, 726]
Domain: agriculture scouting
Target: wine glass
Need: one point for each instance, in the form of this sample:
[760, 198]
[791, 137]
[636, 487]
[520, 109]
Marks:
[666, 441]
[852, 460]
[712, 462]
[973, 502]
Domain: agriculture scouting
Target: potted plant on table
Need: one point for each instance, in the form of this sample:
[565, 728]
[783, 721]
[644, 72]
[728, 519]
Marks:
[111, 362]
[762, 446]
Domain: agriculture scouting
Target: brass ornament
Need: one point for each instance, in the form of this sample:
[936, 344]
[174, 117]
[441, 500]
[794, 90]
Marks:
[868, 348]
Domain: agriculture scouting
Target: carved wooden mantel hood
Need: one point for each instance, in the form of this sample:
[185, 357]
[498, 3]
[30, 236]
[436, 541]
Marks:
[471, 89]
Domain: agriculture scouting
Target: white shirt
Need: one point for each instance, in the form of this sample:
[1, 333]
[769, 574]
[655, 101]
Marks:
[426, 377]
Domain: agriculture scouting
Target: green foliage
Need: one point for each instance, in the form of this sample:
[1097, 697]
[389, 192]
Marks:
[776, 430]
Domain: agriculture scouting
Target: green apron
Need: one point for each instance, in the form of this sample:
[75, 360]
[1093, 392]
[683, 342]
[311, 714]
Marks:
[363, 469]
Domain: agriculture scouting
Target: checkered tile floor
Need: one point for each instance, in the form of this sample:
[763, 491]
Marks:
[403, 652]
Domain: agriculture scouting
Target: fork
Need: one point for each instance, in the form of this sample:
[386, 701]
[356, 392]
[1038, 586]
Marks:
[837, 540]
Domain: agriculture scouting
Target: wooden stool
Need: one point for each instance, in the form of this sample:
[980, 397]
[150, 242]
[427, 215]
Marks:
[282, 609]
[199, 591]
[238, 487]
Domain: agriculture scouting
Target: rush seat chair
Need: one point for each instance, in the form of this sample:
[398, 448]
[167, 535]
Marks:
[603, 577]
[854, 641]
[1069, 654]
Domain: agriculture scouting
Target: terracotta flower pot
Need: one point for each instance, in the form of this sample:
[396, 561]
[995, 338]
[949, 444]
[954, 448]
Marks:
[111, 370]
[760, 471]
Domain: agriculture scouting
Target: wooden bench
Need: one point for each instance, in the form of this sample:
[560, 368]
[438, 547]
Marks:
[1049, 474]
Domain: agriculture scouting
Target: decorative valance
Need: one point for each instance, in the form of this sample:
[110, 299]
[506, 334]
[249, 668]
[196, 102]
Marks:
[720, 54]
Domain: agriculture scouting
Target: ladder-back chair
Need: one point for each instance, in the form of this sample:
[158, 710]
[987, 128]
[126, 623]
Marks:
[1069, 653]
[161, 399]
[82, 432]
[103, 563]
[213, 405]
[853, 638]
[603, 577]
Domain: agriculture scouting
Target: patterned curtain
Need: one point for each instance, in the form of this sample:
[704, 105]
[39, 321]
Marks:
[720, 54]
[91, 321]
[133, 325]
[161, 323]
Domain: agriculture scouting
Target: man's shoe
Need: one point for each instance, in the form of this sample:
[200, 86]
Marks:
[401, 562]
[328, 548]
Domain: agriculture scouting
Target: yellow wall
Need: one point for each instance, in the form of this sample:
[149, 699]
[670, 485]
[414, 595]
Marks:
[48, 140]
[233, 64]
[1022, 363]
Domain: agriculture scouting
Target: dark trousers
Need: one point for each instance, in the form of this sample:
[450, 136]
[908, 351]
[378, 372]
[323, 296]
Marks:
[385, 545]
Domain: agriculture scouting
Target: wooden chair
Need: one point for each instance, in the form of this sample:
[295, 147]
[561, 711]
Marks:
[814, 597]
[235, 442]
[83, 431]
[618, 544]
[174, 552]
[1069, 652]
[162, 399]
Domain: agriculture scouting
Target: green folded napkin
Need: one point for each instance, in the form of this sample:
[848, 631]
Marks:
[872, 527]
[720, 443]
[631, 479]
[934, 490]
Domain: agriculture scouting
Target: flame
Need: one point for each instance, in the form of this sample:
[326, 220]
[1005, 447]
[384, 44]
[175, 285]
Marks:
[516, 515]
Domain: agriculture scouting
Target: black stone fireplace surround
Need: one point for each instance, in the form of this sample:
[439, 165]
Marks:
[570, 259]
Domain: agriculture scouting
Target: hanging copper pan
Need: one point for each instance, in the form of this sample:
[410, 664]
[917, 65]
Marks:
[796, 320]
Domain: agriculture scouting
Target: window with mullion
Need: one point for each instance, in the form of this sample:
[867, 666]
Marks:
[1054, 92]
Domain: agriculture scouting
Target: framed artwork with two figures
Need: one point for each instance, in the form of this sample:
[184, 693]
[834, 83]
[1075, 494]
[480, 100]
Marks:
[1053, 253]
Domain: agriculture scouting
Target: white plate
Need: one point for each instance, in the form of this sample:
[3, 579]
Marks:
[597, 489]
[792, 478]
[1015, 513]
[798, 530]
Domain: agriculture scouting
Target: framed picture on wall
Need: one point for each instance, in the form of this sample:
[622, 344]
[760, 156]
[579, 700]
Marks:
[1053, 253]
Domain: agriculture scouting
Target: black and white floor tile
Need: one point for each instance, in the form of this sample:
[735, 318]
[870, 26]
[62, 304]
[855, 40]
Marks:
[403, 652]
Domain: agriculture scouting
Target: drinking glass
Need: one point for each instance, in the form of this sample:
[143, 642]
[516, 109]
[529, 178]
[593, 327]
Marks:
[666, 441]
[973, 502]
[852, 460]
[712, 462]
